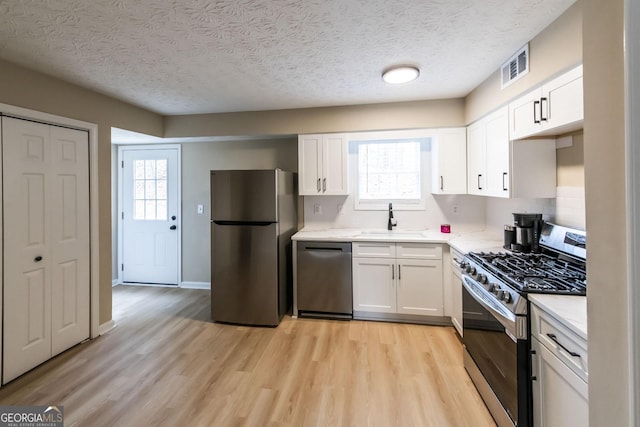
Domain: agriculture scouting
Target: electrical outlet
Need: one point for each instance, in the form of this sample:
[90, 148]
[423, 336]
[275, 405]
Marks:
[200, 209]
[317, 209]
[340, 205]
[455, 209]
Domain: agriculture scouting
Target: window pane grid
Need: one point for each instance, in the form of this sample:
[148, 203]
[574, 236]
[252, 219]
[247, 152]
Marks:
[150, 189]
[389, 170]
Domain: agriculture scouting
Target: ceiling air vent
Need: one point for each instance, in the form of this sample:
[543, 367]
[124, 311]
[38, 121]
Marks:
[516, 67]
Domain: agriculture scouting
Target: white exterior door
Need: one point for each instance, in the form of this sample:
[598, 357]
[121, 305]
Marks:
[46, 225]
[150, 216]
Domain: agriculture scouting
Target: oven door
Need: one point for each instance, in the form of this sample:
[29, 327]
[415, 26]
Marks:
[497, 354]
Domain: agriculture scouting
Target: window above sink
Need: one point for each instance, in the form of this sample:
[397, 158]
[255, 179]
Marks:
[390, 167]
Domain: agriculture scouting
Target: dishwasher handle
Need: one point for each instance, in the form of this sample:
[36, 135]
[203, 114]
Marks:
[324, 247]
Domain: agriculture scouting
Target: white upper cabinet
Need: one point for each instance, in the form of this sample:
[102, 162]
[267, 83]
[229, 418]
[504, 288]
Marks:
[449, 161]
[488, 154]
[322, 165]
[497, 153]
[551, 109]
[476, 159]
[498, 167]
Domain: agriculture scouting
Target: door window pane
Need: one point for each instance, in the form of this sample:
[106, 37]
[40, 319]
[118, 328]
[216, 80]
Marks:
[161, 209]
[139, 210]
[162, 189]
[150, 189]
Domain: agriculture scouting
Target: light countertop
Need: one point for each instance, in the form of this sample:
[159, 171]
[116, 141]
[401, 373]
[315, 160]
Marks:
[463, 242]
[377, 235]
[477, 241]
[570, 310]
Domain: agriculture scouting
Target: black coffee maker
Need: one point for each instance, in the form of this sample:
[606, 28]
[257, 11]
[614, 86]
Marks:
[524, 235]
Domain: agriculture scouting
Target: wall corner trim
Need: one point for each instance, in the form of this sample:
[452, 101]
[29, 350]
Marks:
[106, 327]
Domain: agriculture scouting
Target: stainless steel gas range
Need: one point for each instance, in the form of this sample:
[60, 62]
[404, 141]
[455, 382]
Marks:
[496, 315]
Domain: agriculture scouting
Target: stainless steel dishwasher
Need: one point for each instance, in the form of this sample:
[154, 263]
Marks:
[324, 286]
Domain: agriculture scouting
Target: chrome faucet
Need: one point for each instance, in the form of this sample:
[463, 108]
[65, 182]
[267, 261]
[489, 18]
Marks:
[392, 222]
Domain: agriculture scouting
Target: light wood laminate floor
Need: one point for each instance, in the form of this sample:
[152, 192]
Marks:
[167, 364]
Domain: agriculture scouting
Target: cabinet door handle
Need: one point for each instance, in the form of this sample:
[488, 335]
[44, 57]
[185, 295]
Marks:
[393, 272]
[504, 185]
[441, 183]
[318, 185]
[534, 370]
[399, 272]
[555, 340]
[535, 110]
[479, 188]
[324, 184]
[542, 117]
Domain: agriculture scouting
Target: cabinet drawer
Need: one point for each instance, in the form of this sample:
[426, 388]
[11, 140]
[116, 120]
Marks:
[374, 249]
[418, 251]
[560, 340]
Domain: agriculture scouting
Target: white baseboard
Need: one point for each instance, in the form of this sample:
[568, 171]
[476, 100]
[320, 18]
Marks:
[196, 285]
[115, 282]
[106, 327]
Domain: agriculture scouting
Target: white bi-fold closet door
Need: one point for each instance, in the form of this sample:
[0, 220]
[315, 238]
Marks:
[45, 176]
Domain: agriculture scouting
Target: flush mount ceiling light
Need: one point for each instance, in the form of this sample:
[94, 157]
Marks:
[400, 74]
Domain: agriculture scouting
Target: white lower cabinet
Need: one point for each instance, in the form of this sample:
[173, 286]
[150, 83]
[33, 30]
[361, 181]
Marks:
[374, 285]
[559, 368]
[560, 397]
[397, 278]
[456, 291]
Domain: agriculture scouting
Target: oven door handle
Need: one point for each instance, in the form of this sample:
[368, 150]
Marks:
[505, 317]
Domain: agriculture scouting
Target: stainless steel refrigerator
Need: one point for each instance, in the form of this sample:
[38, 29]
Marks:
[253, 215]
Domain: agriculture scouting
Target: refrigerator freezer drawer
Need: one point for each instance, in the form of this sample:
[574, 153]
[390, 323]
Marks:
[244, 274]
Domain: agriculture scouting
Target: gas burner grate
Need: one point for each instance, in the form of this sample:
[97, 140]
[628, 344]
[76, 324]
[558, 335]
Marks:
[554, 284]
[535, 273]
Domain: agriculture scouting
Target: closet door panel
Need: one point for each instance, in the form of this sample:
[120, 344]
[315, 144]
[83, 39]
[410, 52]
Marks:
[69, 237]
[27, 265]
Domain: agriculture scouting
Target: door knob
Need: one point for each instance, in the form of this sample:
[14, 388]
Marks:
[173, 227]
[38, 258]
[173, 217]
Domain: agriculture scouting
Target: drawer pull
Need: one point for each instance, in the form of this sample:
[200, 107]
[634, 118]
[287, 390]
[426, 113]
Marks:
[555, 340]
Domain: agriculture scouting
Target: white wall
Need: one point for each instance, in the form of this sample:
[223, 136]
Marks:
[198, 159]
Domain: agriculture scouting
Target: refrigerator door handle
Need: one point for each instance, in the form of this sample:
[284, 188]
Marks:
[254, 223]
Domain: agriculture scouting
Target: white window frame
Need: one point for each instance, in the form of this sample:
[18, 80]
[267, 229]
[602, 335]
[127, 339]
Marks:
[425, 135]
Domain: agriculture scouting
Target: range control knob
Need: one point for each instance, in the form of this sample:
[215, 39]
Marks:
[507, 297]
[482, 278]
[471, 270]
[463, 265]
[492, 286]
[501, 294]
[496, 290]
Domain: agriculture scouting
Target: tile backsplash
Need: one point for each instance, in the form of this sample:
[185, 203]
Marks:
[570, 207]
[464, 213]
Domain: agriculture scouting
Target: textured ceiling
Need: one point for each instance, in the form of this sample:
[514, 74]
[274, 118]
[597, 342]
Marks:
[199, 56]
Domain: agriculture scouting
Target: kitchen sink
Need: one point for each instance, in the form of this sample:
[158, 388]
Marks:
[393, 233]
